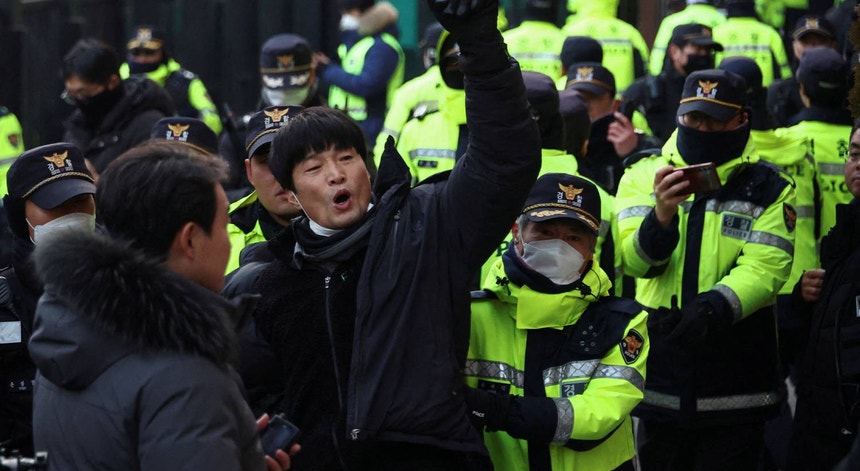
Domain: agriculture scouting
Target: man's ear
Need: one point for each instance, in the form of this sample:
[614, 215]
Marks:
[113, 82]
[182, 247]
[248, 172]
[293, 199]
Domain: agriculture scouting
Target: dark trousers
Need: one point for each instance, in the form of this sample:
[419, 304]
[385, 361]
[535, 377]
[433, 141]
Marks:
[667, 447]
[413, 457]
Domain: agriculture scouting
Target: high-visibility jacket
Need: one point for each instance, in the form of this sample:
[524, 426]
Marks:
[352, 62]
[701, 13]
[736, 242]
[239, 237]
[607, 251]
[625, 52]
[188, 92]
[11, 144]
[434, 134]
[423, 89]
[748, 37]
[828, 144]
[536, 45]
[586, 353]
[790, 151]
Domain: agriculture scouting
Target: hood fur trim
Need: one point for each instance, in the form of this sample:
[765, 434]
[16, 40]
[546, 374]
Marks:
[377, 18]
[125, 293]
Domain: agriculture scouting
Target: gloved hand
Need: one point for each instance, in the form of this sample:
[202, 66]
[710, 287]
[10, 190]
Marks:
[474, 24]
[487, 409]
[663, 320]
[709, 312]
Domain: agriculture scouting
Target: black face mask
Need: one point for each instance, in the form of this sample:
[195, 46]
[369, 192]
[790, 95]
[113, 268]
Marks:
[96, 107]
[451, 73]
[135, 68]
[695, 63]
[698, 147]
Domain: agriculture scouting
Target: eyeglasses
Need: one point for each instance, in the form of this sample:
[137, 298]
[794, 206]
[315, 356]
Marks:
[72, 97]
[142, 51]
[696, 119]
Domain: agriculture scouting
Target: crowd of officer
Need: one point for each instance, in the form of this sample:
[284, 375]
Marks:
[630, 286]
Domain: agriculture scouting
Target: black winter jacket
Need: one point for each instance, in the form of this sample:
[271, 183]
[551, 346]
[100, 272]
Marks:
[395, 316]
[134, 365]
[126, 125]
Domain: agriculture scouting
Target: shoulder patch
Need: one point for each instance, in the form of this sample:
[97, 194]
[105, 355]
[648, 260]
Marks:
[790, 216]
[631, 346]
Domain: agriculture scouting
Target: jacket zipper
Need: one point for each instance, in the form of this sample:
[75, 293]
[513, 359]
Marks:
[330, 328]
[394, 253]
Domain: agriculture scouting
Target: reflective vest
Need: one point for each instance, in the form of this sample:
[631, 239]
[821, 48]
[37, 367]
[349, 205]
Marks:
[557, 161]
[425, 89]
[738, 242]
[352, 61]
[11, 144]
[748, 37]
[619, 40]
[187, 91]
[828, 144]
[239, 239]
[536, 45]
[700, 13]
[429, 139]
[591, 356]
[790, 151]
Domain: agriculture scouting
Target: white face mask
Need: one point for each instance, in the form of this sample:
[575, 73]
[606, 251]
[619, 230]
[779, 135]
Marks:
[348, 22]
[69, 222]
[293, 96]
[554, 259]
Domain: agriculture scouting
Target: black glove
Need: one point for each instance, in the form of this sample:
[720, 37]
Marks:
[709, 312]
[487, 409]
[474, 24]
[663, 320]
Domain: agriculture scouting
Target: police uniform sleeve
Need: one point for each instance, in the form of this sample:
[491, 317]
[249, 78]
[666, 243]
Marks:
[764, 263]
[646, 247]
[199, 98]
[781, 68]
[395, 118]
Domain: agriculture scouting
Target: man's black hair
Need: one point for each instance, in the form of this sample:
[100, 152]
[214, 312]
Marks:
[92, 60]
[313, 131]
[148, 193]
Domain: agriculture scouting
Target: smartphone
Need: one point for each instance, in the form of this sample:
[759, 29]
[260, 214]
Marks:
[279, 435]
[702, 177]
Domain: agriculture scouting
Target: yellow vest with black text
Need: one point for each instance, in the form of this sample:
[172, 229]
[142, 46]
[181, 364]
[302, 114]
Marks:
[536, 45]
[352, 61]
[619, 41]
[748, 37]
[594, 393]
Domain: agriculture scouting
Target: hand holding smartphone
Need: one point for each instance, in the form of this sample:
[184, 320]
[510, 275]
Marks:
[281, 434]
[702, 177]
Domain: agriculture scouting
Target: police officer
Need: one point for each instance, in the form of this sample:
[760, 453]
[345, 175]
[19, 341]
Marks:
[625, 52]
[537, 41]
[709, 263]
[191, 132]
[655, 98]
[287, 77]
[435, 135]
[744, 35]
[50, 190]
[11, 146]
[265, 212]
[428, 44]
[149, 55]
[783, 96]
[556, 362]
[823, 80]
[701, 12]
[576, 49]
[371, 63]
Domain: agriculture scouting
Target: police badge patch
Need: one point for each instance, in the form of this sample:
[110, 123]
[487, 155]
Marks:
[631, 346]
[790, 216]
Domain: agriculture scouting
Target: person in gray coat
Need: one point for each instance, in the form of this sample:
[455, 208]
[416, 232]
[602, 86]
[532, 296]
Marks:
[132, 343]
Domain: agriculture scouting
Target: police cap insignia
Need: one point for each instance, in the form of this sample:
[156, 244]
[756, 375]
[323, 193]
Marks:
[177, 129]
[277, 114]
[286, 60]
[584, 73]
[708, 86]
[631, 346]
[570, 191]
[58, 159]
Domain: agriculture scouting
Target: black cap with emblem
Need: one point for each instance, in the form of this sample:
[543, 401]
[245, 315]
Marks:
[189, 131]
[285, 62]
[561, 195]
[590, 77]
[264, 124]
[49, 175]
[719, 94]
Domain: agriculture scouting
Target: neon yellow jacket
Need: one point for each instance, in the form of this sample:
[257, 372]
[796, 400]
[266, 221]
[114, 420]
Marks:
[790, 151]
[621, 41]
[828, 144]
[239, 239]
[352, 62]
[700, 13]
[197, 95]
[536, 45]
[423, 89]
[748, 37]
[11, 144]
[593, 393]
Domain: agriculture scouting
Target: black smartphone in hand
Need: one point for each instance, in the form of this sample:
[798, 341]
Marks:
[279, 435]
[702, 177]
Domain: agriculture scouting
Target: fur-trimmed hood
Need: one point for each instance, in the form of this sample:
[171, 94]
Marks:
[105, 300]
[378, 18]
